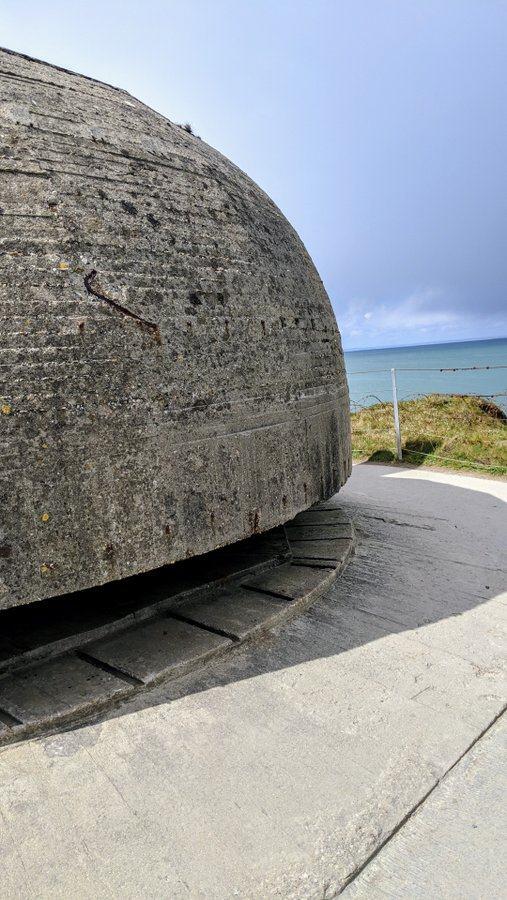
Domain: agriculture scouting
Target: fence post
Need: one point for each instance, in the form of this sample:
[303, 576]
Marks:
[396, 416]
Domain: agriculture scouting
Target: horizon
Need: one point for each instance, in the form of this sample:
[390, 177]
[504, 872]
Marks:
[486, 340]
[376, 128]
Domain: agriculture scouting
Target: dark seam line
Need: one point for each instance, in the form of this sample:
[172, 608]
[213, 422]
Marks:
[320, 559]
[274, 594]
[329, 508]
[304, 524]
[111, 670]
[318, 564]
[353, 875]
[152, 326]
[313, 539]
[25, 172]
[8, 719]
[10, 215]
[189, 621]
[315, 524]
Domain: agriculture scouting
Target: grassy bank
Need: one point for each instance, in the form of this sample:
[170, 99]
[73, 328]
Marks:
[459, 432]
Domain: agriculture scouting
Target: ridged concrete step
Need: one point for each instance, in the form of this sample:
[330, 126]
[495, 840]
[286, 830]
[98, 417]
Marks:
[170, 632]
[63, 623]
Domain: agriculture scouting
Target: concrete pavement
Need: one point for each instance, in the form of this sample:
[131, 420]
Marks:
[454, 844]
[283, 769]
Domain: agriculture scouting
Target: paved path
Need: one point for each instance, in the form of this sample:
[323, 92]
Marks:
[285, 768]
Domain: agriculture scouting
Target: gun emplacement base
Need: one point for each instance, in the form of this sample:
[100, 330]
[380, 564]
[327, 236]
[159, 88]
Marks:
[62, 664]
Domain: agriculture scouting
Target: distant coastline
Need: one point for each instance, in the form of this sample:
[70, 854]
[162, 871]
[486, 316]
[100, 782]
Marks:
[418, 371]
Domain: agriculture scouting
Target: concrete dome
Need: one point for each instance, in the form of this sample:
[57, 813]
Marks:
[172, 376]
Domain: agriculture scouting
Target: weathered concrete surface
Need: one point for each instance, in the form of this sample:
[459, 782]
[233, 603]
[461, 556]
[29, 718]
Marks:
[280, 770]
[454, 845]
[171, 373]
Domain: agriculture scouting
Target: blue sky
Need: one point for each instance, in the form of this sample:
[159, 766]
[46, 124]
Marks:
[378, 126]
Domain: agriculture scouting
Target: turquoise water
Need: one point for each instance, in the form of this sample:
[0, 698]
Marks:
[375, 385]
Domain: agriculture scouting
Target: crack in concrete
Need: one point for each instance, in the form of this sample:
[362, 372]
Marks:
[353, 875]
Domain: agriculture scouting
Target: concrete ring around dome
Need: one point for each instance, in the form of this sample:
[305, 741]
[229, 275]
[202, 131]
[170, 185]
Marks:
[68, 678]
[171, 372]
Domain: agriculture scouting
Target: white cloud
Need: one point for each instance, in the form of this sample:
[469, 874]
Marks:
[398, 321]
[421, 316]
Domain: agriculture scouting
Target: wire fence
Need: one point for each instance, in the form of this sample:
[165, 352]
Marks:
[392, 396]
[356, 405]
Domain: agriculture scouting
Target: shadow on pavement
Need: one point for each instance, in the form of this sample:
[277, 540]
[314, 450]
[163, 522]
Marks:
[427, 551]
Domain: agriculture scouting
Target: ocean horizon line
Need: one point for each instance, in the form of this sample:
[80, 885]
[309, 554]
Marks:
[426, 344]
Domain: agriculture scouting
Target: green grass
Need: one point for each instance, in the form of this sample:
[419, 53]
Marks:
[458, 432]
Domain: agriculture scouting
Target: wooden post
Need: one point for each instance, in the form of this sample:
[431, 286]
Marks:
[396, 416]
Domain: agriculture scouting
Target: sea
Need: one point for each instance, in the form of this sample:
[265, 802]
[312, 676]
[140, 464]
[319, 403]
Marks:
[429, 369]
